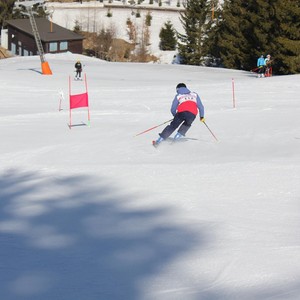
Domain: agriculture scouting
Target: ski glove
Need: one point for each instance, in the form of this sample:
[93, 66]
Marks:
[202, 119]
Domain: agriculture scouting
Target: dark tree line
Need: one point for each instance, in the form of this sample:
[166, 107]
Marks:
[239, 32]
[8, 11]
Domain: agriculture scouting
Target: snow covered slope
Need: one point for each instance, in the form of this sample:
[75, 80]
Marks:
[94, 212]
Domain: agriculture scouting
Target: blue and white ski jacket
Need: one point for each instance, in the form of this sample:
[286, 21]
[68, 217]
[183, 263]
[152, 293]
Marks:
[261, 62]
[185, 100]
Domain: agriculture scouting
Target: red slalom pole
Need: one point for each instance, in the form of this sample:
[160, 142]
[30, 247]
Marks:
[210, 131]
[153, 127]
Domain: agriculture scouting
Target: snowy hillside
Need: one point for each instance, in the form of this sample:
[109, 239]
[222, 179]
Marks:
[93, 212]
[92, 17]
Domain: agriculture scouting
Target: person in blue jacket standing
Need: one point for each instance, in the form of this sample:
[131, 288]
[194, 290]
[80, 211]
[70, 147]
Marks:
[185, 107]
[261, 66]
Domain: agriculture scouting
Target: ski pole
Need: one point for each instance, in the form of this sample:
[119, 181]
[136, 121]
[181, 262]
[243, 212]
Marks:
[153, 127]
[210, 131]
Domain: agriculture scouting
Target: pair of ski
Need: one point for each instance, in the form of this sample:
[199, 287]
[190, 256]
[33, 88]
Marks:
[172, 141]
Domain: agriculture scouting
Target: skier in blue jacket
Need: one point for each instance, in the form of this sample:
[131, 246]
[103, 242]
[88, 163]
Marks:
[261, 66]
[185, 107]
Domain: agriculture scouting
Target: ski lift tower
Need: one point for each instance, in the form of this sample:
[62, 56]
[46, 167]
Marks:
[28, 4]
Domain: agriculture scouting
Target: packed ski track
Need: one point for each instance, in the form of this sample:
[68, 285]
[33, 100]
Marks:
[96, 212]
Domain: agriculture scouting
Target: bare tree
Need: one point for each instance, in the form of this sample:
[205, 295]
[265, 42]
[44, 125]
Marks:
[131, 29]
[103, 43]
[142, 53]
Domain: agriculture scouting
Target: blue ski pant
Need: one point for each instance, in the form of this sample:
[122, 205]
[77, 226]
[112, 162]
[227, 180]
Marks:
[183, 119]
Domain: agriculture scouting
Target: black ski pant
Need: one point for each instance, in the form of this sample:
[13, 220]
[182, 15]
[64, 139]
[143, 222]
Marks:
[183, 119]
[78, 73]
[261, 70]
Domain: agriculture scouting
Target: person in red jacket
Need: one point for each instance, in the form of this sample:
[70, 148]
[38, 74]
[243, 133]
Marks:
[185, 107]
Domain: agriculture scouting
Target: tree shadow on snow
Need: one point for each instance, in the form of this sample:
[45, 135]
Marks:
[62, 238]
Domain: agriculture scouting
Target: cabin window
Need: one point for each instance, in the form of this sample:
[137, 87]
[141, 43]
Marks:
[13, 48]
[53, 47]
[63, 46]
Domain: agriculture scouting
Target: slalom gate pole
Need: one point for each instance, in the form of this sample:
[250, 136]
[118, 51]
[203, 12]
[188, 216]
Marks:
[210, 131]
[70, 112]
[86, 89]
[153, 127]
[61, 94]
[233, 93]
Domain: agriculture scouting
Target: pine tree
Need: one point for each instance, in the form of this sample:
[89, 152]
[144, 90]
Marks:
[231, 40]
[167, 36]
[77, 27]
[248, 29]
[6, 10]
[286, 45]
[209, 45]
[195, 24]
[278, 33]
